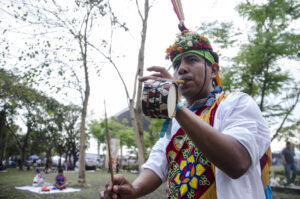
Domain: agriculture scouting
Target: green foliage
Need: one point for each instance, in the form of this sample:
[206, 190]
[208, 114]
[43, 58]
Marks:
[48, 124]
[116, 130]
[256, 69]
[155, 128]
[221, 34]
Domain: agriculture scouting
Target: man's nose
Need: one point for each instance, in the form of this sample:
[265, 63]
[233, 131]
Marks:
[183, 68]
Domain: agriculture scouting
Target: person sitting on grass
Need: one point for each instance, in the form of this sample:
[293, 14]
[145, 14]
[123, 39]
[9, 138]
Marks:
[60, 180]
[39, 179]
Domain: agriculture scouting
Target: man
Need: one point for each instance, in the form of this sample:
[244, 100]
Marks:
[216, 142]
[289, 163]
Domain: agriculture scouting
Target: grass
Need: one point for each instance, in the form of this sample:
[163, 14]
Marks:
[96, 182]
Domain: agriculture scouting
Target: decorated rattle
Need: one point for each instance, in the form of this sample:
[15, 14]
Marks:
[160, 98]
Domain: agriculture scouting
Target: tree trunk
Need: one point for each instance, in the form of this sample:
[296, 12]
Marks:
[25, 144]
[81, 174]
[59, 161]
[74, 159]
[140, 147]
[2, 149]
[3, 134]
[83, 48]
[3, 154]
[23, 153]
[136, 112]
[261, 105]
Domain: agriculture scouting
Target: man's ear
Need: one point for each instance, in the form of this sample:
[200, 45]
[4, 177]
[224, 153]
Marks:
[214, 70]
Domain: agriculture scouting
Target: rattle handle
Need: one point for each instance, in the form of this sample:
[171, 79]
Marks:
[179, 81]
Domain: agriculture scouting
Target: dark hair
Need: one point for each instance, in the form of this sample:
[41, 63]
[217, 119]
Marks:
[60, 170]
[288, 143]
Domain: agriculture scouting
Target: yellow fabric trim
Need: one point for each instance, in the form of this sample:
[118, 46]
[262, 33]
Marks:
[265, 171]
[210, 193]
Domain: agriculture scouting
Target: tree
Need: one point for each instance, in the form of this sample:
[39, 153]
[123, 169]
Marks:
[16, 99]
[256, 69]
[116, 130]
[78, 21]
[71, 127]
[134, 102]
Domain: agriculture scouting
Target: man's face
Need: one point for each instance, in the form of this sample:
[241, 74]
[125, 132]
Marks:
[191, 68]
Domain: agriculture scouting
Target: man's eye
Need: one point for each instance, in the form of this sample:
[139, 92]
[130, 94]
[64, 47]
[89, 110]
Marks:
[176, 64]
[192, 59]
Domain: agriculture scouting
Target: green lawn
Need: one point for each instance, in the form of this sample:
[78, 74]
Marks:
[96, 181]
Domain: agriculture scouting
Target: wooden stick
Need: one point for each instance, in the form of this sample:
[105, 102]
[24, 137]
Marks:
[108, 146]
[179, 81]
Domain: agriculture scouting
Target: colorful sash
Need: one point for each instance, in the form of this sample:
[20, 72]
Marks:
[191, 174]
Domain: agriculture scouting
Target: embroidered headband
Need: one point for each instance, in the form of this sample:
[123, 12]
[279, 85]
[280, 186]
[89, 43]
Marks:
[191, 42]
[203, 53]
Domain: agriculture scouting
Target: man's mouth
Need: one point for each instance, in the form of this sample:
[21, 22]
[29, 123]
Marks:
[186, 79]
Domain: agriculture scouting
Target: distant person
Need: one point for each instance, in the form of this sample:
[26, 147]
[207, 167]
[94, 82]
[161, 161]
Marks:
[118, 165]
[68, 166]
[34, 164]
[39, 179]
[60, 180]
[289, 163]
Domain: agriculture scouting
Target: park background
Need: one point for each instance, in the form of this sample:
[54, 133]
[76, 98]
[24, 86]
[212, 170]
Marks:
[42, 73]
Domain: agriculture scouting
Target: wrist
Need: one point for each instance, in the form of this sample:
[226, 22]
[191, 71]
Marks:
[136, 191]
[179, 106]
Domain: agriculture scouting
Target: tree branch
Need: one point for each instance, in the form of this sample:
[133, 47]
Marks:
[116, 68]
[286, 116]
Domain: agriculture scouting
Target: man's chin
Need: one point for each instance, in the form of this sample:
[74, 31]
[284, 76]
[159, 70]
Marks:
[185, 92]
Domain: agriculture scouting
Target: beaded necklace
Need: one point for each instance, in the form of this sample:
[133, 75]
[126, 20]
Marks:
[208, 101]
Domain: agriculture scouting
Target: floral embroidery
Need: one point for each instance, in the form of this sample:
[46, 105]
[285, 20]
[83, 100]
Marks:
[189, 174]
[178, 142]
[171, 155]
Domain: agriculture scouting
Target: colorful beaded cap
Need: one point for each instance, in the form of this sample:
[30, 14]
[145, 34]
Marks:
[185, 41]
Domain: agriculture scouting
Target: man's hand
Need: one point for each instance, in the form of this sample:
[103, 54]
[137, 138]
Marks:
[161, 73]
[121, 188]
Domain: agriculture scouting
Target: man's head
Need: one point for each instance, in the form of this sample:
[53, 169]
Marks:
[288, 144]
[195, 62]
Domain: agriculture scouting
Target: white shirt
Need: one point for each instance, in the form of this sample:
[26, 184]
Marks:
[238, 116]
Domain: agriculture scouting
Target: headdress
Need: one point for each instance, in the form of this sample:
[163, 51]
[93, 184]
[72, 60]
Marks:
[191, 42]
